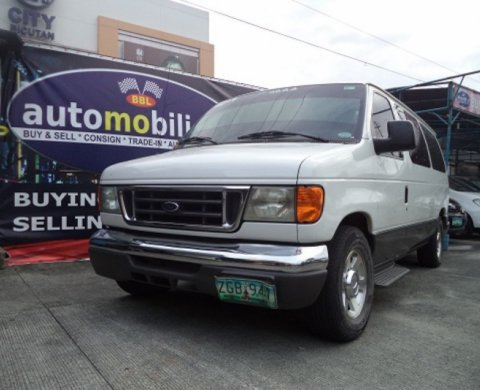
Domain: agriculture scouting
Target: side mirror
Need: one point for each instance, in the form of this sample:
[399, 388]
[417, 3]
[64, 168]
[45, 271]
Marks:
[401, 137]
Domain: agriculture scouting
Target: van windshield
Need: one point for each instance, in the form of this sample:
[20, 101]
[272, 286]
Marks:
[325, 113]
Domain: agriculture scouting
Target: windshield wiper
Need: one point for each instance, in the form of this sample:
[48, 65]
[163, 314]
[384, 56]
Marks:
[196, 140]
[279, 134]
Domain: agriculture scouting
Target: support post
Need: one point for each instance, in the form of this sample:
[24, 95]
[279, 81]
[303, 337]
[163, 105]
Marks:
[449, 126]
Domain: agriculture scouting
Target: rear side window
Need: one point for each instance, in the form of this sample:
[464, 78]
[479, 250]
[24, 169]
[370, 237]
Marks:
[435, 152]
[419, 155]
[381, 114]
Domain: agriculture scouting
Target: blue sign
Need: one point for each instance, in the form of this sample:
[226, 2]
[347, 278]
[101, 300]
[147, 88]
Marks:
[463, 99]
[39, 4]
[90, 119]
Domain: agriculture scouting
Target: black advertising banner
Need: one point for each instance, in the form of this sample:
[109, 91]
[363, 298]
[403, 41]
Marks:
[66, 115]
[77, 111]
[90, 119]
[89, 113]
[43, 212]
[40, 62]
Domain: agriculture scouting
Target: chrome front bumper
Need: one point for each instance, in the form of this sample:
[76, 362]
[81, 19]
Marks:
[266, 257]
[298, 272]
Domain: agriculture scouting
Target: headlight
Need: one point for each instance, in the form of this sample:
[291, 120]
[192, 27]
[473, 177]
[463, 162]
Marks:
[109, 200]
[477, 202]
[275, 204]
[285, 204]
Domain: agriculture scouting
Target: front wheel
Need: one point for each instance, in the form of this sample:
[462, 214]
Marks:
[343, 308]
[430, 254]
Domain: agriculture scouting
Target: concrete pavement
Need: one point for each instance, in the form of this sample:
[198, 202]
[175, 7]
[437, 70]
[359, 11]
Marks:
[63, 327]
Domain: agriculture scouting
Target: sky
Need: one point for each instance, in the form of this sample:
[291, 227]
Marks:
[428, 40]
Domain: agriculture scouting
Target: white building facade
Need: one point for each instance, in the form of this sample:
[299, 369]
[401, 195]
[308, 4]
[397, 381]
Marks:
[156, 32]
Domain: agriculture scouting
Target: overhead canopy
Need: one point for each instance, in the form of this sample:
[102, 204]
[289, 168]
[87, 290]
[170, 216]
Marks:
[453, 111]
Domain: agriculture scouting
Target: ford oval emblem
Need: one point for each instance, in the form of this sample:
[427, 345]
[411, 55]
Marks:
[170, 207]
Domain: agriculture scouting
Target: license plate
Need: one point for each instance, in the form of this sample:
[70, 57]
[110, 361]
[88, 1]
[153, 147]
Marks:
[247, 291]
[457, 221]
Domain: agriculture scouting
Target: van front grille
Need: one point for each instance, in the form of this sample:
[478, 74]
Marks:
[201, 208]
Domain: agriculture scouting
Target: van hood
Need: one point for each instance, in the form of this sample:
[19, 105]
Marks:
[233, 163]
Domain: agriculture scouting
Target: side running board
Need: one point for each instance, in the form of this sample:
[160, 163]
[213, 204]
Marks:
[386, 277]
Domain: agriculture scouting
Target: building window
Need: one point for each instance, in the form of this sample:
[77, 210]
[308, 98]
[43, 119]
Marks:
[152, 51]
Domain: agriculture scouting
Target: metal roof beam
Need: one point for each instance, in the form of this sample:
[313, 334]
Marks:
[435, 81]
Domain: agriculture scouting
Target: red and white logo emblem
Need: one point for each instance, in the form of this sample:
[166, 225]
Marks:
[140, 98]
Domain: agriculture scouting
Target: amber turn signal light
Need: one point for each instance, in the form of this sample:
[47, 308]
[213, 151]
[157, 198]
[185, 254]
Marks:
[309, 204]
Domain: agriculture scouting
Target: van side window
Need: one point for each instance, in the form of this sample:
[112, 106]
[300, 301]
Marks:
[419, 155]
[435, 152]
[381, 114]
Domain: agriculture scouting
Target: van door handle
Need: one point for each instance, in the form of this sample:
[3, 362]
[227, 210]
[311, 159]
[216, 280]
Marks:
[406, 194]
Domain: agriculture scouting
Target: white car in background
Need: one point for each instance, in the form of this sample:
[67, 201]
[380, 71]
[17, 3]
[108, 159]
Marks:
[467, 193]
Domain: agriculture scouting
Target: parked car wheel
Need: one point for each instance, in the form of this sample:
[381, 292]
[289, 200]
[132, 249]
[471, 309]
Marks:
[457, 219]
[469, 229]
[466, 191]
[140, 289]
[430, 254]
[342, 310]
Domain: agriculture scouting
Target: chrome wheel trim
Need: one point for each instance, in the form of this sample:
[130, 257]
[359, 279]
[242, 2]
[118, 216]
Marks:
[354, 284]
[439, 243]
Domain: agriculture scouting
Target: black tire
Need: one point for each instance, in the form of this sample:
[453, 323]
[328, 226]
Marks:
[333, 316]
[140, 289]
[430, 255]
[468, 227]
